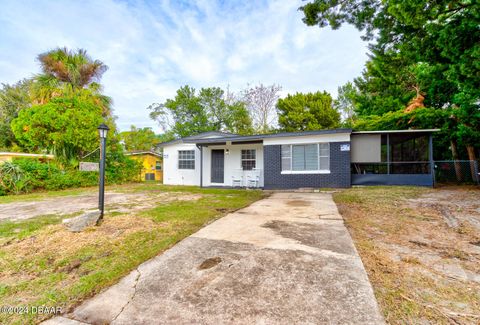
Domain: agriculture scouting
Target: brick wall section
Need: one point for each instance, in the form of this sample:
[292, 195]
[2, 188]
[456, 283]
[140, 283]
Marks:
[339, 170]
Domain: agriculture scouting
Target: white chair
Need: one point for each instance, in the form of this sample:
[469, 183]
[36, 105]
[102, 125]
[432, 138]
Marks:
[253, 180]
[237, 180]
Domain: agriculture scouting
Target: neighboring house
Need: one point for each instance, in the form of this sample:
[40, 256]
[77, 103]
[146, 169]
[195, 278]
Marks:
[152, 164]
[325, 158]
[9, 156]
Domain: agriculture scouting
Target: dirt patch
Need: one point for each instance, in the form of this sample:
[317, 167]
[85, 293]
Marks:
[417, 247]
[298, 203]
[114, 202]
[209, 263]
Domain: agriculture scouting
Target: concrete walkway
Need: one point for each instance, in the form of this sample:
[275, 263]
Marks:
[287, 259]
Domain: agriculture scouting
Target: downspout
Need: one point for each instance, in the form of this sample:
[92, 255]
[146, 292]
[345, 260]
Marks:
[200, 147]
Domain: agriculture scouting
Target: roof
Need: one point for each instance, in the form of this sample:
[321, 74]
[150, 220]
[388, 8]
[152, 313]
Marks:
[202, 135]
[143, 152]
[397, 131]
[258, 137]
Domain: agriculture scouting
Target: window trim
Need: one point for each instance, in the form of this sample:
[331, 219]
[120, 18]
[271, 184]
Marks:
[310, 171]
[248, 159]
[183, 159]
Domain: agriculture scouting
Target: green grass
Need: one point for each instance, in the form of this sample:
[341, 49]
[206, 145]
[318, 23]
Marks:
[43, 264]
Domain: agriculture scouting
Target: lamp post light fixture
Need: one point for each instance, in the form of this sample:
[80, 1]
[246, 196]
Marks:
[102, 131]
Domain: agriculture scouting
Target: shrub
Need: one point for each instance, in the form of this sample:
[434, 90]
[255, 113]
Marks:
[13, 179]
[24, 175]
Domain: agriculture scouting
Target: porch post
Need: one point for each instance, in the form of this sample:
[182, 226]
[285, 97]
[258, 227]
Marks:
[388, 153]
[200, 147]
[430, 157]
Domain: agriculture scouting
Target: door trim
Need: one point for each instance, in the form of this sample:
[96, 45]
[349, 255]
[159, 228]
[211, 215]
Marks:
[212, 166]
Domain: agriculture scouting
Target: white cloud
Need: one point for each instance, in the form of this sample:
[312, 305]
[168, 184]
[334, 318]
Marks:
[152, 48]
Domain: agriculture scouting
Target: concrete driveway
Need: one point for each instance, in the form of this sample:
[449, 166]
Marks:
[287, 259]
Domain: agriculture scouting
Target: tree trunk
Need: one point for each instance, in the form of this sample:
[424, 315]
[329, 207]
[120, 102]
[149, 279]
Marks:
[458, 167]
[472, 158]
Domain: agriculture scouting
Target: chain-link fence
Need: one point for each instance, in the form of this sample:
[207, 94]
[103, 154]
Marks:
[457, 171]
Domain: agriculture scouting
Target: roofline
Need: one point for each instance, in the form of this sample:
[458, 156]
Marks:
[397, 131]
[174, 141]
[143, 153]
[271, 135]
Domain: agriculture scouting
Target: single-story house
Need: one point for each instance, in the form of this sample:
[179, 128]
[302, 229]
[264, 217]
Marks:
[152, 169]
[310, 159]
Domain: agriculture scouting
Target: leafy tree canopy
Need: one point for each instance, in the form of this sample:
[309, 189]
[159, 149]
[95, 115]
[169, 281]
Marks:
[66, 127]
[138, 138]
[311, 111]
[13, 98]
[423, 50]
[190, 113]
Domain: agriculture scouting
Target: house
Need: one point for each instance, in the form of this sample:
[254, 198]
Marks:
[324, 158]
[9, 156]
[152, 169]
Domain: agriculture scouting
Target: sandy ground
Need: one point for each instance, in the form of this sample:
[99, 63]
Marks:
[422, 251]
[287, 259]
[66, 205]
[451, 246]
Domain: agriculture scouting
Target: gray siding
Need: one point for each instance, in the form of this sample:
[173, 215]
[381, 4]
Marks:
[339, 170]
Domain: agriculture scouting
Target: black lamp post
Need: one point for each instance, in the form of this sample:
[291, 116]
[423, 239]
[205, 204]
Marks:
[102, 130]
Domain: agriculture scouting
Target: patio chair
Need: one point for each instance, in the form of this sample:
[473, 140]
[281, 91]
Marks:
[253, 181]
[237, 181]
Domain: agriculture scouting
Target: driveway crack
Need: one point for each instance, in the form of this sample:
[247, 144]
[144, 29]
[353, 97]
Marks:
[131, 297]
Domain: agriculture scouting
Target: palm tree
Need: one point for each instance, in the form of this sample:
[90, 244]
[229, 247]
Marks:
[70, 73]
[75, 68]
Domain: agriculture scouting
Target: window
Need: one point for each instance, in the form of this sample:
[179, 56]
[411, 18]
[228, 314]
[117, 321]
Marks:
[186, 159]
[306, 157]
[249, 159]
[158, 165]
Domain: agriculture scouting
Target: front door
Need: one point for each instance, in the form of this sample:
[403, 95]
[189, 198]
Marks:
[218, 160]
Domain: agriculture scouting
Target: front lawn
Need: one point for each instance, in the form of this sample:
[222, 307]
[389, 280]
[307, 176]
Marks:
[42, 264]
[421, 250]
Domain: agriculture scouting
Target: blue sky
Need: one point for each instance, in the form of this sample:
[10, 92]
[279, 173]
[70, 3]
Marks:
[154, 47]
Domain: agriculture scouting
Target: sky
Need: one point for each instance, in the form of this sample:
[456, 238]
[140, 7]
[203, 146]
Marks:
[152, 48]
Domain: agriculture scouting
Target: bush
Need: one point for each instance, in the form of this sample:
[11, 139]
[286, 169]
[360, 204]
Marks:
[13, 179]
[24, 175]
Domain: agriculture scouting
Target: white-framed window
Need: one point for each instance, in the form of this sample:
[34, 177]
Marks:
[314, 157]
[249, 159]
[186, 159]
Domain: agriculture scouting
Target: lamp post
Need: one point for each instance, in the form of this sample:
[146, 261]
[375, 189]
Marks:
[102, 130]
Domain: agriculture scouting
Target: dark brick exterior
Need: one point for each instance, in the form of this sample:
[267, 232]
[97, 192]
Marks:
[339, 170]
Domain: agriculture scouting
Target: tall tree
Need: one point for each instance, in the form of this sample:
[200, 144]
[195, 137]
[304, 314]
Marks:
[345, 103]
[67, 73]
[13, 98]
[422, 50]
[138, 138]
[311, 111]
[261, 101]
[66, 127]
[191, 113]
